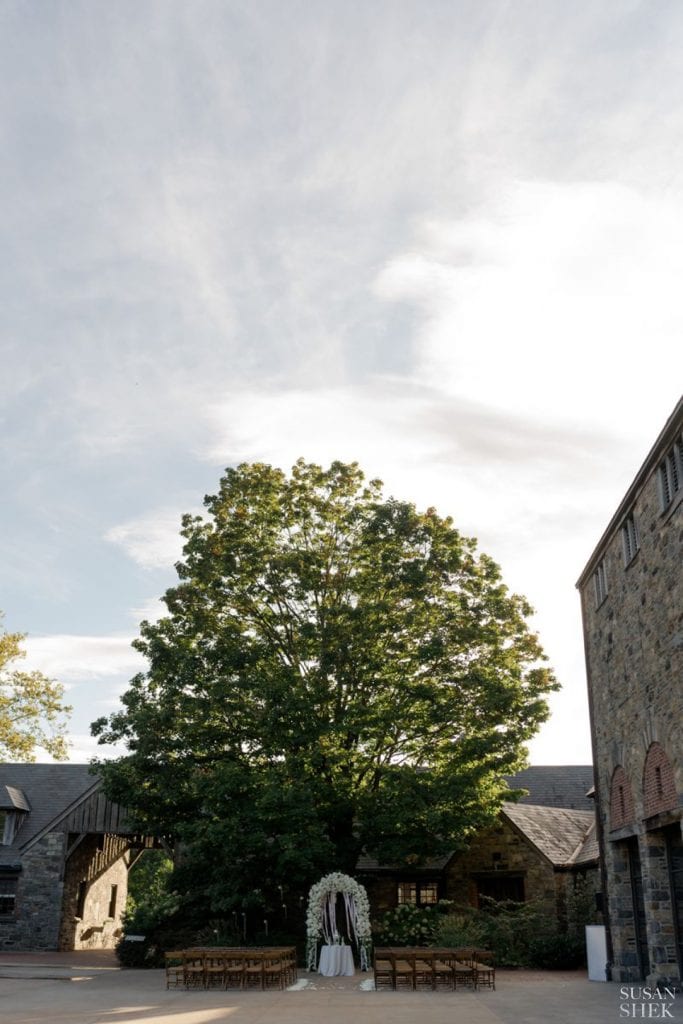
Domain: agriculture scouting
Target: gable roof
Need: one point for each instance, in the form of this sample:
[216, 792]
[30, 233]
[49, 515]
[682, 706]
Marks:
[556, 832]
[51, 791]
[556, 785]
[12, 799]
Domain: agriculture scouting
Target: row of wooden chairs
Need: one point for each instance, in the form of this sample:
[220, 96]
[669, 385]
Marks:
[433, 967]
[238, 967]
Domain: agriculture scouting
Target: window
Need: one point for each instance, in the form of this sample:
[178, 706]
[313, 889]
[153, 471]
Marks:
[600, 583]
[501, 887]
[9, 825]
[629, 537]
[8, 896]
[671, 473]
[80, 901]
[112, 901]
[420, 894]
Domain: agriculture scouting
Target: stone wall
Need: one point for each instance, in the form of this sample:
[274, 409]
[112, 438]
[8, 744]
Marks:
[39, 898]
[96, 876]
[496, 853]
[501, 851]
[634, 649]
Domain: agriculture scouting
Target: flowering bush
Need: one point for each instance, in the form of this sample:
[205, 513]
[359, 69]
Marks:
[407, 925]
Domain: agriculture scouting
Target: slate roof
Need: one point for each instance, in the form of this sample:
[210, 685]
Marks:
[589, 851]
[558, 833]
[435, 864]
[555, 785]
[51, 791]
[566, 837]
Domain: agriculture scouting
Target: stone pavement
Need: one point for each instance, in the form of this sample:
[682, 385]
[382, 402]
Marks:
[89, 988]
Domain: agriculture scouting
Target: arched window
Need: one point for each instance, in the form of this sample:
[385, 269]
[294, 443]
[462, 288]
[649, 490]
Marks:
[659, 787]
[621, 808]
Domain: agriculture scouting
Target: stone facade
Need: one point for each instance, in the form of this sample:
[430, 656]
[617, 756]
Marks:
[64, 859]
[539, 853]
[94, 895]
[35, 924]
[501, 862]
[632, 605]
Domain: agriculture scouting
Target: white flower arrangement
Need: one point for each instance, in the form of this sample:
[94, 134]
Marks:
[320, 916]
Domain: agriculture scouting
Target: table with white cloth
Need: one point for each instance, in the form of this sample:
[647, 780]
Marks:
[336, 960]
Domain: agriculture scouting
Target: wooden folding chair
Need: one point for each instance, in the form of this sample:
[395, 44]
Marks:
[423, 972]
[193, 969]
[214, 970]
[274, 971]
[290, 965]
[173, 963]
[234, 972]
[443, 974]
[253, 970]
[403, 969]
[484, 968]
[382, 967]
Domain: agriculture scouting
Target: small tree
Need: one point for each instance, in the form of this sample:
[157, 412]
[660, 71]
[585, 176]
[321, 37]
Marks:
[32, 711]
[337, 671]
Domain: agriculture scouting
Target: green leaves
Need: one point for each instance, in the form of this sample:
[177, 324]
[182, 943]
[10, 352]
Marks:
[337, 671]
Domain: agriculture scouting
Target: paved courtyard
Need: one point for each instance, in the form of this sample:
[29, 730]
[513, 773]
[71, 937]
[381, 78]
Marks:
[90, 989]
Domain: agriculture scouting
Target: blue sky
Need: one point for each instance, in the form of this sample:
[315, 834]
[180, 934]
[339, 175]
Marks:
[440, 238]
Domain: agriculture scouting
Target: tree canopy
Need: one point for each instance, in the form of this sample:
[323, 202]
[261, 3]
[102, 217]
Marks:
[337, 672]
[32, 709]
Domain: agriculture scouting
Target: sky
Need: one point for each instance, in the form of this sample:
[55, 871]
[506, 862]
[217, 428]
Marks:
[442, 239]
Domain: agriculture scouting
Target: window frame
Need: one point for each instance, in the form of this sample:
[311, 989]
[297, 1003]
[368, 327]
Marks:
[630, 538]
[11, 881]
[81, 899]
[113, 899]
[514, 882]
[600, 583]
[670, 474]
[419, 886]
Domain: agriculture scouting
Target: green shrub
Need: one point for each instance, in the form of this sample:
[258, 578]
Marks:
[518, 934]
[464, 926]
[507, 928]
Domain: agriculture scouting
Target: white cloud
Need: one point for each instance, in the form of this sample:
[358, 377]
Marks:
[75, 659]
[548, 300]
[150, 610]
[531, 404]
[152, 540]
[83, 747]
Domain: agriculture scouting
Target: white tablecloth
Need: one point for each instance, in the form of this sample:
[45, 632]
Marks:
[336, 960]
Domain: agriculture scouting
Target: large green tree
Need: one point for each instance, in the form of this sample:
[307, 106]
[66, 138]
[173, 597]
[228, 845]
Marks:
[336, 672]
[32, 709]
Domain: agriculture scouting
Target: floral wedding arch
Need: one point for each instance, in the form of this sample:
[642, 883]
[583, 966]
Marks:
[321, 923]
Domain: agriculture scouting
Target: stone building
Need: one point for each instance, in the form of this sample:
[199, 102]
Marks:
[541, 848]
[632, 606]
[64, 859]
